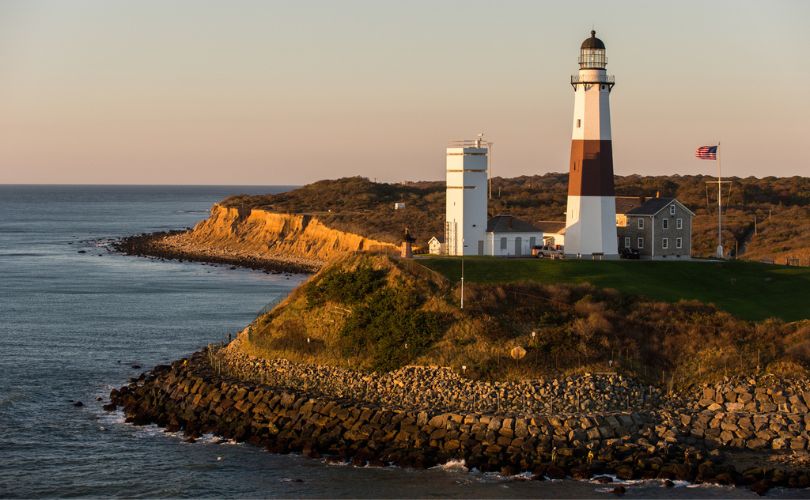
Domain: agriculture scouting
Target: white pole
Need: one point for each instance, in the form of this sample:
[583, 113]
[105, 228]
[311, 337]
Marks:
[719, 206]
[489, 169]
[462, 273]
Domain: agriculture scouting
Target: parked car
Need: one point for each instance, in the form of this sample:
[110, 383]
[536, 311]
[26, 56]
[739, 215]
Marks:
[547, 252]
[630, 253]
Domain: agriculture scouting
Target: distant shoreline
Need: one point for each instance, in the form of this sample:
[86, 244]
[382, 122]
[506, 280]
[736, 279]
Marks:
[150, 245]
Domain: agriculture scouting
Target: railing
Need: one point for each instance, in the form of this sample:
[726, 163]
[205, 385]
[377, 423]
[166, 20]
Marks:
[474, 143]
[608, 79]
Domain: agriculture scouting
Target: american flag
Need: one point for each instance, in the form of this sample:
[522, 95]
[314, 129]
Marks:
[706, 152]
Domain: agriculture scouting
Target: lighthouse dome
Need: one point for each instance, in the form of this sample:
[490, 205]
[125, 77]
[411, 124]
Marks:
[593, 42]
[592, 53]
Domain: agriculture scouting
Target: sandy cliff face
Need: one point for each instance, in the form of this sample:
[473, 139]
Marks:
[261, 234]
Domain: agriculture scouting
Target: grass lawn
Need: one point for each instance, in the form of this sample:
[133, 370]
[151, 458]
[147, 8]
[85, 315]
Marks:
[748, 290]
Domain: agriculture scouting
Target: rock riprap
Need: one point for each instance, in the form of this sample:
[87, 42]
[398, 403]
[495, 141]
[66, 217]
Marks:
[443, 389]
[755, 394]
[195, 395]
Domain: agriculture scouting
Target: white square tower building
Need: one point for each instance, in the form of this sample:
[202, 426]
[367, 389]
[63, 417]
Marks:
[466, 211]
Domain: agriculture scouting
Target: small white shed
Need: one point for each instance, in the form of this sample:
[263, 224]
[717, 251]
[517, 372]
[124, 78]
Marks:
[436, 246]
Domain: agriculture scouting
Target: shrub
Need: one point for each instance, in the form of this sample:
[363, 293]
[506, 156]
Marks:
[390, 329]
[346, 287]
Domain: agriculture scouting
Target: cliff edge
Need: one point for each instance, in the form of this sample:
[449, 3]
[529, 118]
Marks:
[257, 238]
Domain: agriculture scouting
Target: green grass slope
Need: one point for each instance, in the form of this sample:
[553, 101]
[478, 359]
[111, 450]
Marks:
[377, 312]
[748, 290]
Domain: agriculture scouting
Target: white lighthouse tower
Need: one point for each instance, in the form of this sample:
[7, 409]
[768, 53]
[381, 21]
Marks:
[466, 211]
[591, 214]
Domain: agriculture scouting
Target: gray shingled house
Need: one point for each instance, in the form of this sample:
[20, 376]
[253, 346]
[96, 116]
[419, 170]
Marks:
[658, 227]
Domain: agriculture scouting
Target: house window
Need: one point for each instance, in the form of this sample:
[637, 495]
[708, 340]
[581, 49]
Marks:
[641, 222]
[666, 223]
[665, 243]
[579, 123]
[532, 242]
[678, 242]
[503, 243]
[672, 210]
[626, 242]
[640, 243]
[678, 223]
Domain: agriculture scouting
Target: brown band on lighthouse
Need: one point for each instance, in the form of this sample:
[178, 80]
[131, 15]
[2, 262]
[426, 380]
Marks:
[591, 172]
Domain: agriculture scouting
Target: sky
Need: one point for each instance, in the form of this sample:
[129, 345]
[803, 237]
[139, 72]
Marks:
[244, 92]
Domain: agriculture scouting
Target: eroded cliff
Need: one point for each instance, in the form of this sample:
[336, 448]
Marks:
[257, 234]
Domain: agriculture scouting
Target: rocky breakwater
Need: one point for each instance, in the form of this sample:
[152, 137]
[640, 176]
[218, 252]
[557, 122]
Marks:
[442, 388]
[254, 238]
[755, 413]
[196, 396]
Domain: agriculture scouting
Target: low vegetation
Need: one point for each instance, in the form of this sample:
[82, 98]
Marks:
[779, 208]
[748, 290]
[376, 312]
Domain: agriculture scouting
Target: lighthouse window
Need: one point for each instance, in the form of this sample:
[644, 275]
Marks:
[579, 123]
[603, 87]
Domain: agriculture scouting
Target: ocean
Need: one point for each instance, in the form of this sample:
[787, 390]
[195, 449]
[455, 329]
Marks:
[77, 320]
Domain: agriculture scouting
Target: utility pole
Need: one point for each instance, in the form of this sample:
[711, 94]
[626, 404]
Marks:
[462, 273]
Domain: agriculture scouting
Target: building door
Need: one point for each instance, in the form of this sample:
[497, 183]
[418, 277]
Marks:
[480, 247]
[518, 245]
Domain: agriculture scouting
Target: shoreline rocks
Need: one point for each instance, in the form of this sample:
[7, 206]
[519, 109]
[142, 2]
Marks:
[755, 394]
[192, 396]
[441, 388]
[156, 245]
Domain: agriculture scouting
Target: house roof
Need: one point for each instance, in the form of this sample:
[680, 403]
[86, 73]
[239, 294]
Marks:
[440, 239]
[640, 205]
[550, 226]
[509, 224]
[625, 204]
[655, 205]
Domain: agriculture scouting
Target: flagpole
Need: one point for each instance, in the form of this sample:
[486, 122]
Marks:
[719, 205]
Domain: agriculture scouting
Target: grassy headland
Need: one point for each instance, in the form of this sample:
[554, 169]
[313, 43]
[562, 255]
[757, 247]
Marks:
[375, 312]
[748, 290]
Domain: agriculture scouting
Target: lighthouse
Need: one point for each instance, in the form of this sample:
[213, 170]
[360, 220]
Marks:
[590, 226]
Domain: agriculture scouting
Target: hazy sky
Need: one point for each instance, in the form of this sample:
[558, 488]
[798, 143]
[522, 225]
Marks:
[195, 92]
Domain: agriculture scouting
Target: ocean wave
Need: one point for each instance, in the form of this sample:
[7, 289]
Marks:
[455, 465]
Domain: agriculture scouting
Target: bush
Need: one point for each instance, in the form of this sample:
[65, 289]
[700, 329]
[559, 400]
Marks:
[390, 329]
[345, 287]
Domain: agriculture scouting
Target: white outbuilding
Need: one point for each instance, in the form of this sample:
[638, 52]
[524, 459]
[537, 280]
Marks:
[508, 236]
[466, 203]
[436, 246]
